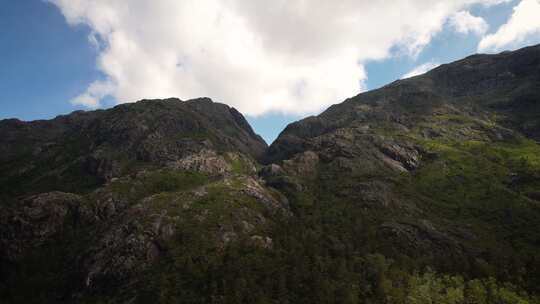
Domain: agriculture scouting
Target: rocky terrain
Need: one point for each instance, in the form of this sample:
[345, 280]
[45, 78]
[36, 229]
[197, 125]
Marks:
[95, 197]
[424, 191]
[461, 140]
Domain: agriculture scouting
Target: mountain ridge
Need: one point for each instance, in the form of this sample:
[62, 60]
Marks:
[427, 188]
[420, 85]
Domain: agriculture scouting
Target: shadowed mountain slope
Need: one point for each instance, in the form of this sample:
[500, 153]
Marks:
[424, 191]
[85, 149]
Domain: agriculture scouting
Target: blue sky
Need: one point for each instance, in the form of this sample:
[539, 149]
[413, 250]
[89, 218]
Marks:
[445, 47]
[46, 63]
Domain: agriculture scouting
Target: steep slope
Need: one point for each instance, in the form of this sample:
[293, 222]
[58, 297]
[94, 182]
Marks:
[89, 148]
[91, 201]
[505, 85]
[424, 191]
[443, 168]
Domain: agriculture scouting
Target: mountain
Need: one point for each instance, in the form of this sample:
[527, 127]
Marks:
[505, 84]
[89, 148]
[442, 168]
[426, 190]
[90, 199]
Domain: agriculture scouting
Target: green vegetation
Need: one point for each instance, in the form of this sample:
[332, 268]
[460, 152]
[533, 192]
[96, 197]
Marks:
[331, 252]
[302, 269]
[157, 181]
[424, 191]
[487, 186]
[433, 288]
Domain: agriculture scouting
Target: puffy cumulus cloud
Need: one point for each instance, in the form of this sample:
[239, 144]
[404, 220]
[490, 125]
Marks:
[95, 92]
[463, 22]
[421, 69]
[523, 27]
[291, 56]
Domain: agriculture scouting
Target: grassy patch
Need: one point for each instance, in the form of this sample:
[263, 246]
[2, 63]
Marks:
[483, 185]
[158, 181]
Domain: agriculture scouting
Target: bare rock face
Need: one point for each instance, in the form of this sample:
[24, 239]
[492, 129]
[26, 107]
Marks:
[403, 158]
[264, 242]
[271, 170]
[39, 218]
[103, 168]
[132, 243]
[207, 161]
[304, 164]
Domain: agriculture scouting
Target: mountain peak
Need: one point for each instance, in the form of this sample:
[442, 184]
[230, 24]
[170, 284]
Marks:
[503, 84]
[153, 131]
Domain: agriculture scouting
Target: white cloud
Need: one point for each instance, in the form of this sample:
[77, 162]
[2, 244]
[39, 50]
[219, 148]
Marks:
[463, 22]
[421, 69]
[291, 56]
[94, 93]
[523, 27]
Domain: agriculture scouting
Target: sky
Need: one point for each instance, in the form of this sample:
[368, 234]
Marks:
[275, 61]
